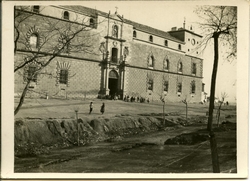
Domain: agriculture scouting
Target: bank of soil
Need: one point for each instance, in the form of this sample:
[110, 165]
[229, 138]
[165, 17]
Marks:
[51, 145]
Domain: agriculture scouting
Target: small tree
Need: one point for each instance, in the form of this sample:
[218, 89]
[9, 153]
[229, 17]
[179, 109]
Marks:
[55, 37]
[186, 103]
[221, 101]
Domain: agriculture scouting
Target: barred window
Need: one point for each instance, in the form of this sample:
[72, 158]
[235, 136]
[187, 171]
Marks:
[165, 86]
[32, 75]
[193, 87]
[63, 76]
[179, 87]
[150, 84]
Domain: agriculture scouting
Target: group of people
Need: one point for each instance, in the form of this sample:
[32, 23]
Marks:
[102, 110]
[135, 99]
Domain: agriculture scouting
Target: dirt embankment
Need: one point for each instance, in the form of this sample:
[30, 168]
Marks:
[36, 136]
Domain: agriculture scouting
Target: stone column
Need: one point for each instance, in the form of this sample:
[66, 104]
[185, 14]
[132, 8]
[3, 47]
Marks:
[107, 75]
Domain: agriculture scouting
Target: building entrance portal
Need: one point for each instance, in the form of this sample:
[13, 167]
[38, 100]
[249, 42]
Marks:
[113, 83]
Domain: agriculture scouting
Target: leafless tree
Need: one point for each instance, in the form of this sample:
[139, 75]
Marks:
[220, 27]
[56, 37]
[221, 101]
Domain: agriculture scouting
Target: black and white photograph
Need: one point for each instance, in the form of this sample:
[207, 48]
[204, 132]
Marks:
[125, 89]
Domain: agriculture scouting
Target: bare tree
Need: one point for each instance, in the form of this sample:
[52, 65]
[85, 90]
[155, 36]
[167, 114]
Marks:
[219, 24]
[221, 101]
[54, 37]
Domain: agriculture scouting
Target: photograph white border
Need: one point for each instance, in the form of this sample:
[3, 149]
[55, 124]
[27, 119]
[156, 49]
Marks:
[7, 157]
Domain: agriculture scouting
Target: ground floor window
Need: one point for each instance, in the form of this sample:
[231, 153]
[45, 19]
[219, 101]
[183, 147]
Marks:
[150, 84]
[165, 86]
[63, 77]
[179, 87]
[32, 75]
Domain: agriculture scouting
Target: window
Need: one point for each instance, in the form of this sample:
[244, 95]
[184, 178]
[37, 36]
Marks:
[63, 76]
[134, 34]
[114, 55]
[179, 87]
[91, 22]
[66, 15]
[203, 87]
[166, 64]
[180, 67]
[36, 9]
[115, 31]
[179, 46]
[34, 40]
[64, 43]
[166, 43]
[151, 38]
[150, 84]
[193, 87]
[194, 68]
[165, 86]
[32, 75]
[151, 61]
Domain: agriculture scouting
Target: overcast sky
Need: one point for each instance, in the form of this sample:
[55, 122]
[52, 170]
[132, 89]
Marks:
[163, 15]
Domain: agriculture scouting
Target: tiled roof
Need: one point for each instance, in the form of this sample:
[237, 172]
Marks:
[138, 26]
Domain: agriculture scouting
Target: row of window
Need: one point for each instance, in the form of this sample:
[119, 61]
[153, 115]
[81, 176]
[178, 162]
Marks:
[66, 16]
[151, 39]
[167, 66]
[150, 86]
[32, 75]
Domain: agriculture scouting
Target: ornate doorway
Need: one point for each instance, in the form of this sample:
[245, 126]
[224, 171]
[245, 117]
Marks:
[113, 83]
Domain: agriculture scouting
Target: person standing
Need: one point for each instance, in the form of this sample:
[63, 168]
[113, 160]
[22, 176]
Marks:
[102, 108]
[90, 107]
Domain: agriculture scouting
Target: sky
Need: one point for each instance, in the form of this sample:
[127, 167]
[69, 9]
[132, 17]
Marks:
[164, 15]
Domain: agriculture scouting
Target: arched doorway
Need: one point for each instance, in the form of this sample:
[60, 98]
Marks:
[113, 83]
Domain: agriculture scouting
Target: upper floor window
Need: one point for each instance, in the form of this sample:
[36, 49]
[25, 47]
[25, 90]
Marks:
[150, 84]
[151, 61]
[36, 9]
[180, 67]
[179, 46]
[115, 31]
[194, 68]
[166, 43]
[66, 15]
[34, 40]
[114, 55]
[92, 22]
[32, 75]
[151, 38]
[166, 64]
[63, 76]
[134, 34]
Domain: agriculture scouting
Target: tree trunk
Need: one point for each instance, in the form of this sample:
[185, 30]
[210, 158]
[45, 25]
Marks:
[213, 143]
[22, 97]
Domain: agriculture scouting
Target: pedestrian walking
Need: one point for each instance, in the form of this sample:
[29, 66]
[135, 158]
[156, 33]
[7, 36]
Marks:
[102, 108]
[90, 107]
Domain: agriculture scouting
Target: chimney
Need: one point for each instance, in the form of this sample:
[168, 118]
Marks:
[174, 28]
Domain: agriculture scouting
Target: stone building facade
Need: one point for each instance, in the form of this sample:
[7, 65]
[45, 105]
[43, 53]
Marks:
[121, 57]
